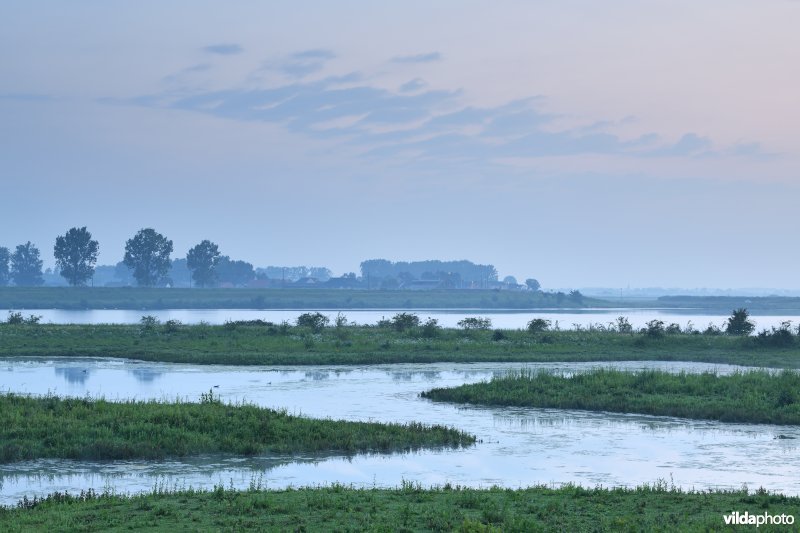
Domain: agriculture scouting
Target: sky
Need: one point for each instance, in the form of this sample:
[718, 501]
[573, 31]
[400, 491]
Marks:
[582, 143]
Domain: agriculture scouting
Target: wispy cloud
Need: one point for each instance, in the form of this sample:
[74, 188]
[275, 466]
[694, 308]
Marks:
[418, 58]
[302, 64]
[223, 49]
[413, 85]
[420, 123]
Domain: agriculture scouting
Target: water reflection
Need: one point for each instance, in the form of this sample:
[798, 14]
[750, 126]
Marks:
[145, 375]
[73, 375]
[425, 375]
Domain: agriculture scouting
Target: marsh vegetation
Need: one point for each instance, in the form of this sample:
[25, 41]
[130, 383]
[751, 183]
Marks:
[52, 427]
[754, 396]
[403, 338]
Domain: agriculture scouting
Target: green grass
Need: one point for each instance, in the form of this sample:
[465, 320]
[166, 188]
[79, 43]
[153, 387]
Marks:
[752, 396]
[409, 508]
[359, 345]
[33, 428]
[290, 298]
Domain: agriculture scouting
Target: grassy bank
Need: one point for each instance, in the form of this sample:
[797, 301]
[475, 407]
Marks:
[264, 344]
[754, 396]
[290, 298]
[33, 428]
[337, 508]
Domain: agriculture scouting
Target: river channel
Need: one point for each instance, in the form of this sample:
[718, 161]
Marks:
[518, 447]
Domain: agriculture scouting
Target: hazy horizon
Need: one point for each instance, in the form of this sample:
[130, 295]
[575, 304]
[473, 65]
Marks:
[584, 145]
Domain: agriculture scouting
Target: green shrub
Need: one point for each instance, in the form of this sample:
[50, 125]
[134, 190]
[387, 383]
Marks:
[538, 325]
[314, 321]
[475, 322]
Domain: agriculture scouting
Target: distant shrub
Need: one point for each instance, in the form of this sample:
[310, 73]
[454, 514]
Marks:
[15, 319]
[148, 323]
[341, 320]
[498, 335]
[712, 329]
[538, 325]
[655, 329]
[673, 329]
[341, 327]
[475, 322]
[314, 321]
[622, 325]
[430, 328]
[780, 337]
[172, 326]
[254, 322]
[405, 321]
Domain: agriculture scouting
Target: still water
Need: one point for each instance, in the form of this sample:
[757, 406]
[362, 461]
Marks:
[518, 446]
[505, 319]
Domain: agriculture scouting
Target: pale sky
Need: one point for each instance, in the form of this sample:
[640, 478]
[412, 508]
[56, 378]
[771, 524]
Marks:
[583, 143]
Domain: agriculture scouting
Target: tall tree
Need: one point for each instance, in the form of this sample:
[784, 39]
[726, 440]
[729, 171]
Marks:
[202, 261]
[236, 273]
[26, 267]
[532, 284]
[147, 254]
[739, 323]
[5, 256]
[76, 254]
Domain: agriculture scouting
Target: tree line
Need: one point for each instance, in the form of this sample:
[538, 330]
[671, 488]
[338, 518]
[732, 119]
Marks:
[147, 262]
[147, 256]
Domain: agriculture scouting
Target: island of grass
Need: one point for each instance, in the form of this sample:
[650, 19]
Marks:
[51, 427]
[409, 508]
[758, 397]
[258, 342]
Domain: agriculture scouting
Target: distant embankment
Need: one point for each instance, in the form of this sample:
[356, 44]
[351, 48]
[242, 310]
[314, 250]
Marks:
[290, 298]
[726, 303]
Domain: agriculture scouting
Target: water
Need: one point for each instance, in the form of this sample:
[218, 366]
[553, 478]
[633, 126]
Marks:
[519, 446]
[505, 319]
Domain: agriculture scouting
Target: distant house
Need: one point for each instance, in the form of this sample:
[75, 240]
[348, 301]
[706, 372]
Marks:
[307, 281]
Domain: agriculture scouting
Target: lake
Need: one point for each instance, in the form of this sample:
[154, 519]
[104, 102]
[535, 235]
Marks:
[518, 447]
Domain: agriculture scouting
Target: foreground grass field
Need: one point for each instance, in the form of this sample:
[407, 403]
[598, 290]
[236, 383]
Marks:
[266, 344]
[290, 298]
[754, 397]
[410, 508]
[33, 428]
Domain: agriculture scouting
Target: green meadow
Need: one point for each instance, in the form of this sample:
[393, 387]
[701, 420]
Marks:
[409, 508]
